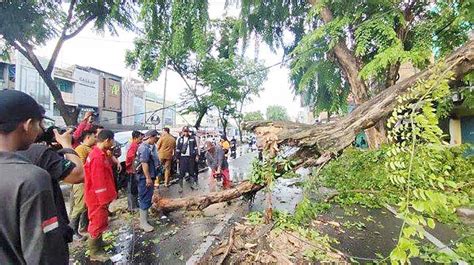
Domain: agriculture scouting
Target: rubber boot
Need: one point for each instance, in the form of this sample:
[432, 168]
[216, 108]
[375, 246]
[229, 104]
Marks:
[96, 251]
[144, 225]
[84, 223]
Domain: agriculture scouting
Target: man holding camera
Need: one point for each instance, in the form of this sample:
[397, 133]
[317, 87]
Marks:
[85, 125]
[187, 156]
[146, 175]
[29, 219]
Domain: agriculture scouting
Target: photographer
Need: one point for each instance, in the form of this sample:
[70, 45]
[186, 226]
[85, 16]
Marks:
[85, 125]
[62, 165]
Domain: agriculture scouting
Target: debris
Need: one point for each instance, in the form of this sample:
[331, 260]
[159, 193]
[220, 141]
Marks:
[229, 246]
[117, 258]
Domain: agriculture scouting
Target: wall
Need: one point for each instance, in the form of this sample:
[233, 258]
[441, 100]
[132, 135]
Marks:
[28, 80]
[86, 90]
[113, 95]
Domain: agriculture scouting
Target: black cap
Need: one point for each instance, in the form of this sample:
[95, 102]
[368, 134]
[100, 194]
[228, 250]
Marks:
[150, 133]
[16, 106]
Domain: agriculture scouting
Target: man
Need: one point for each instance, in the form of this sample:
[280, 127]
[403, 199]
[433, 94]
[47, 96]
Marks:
[166, 146]
[78, 210]
[62, 165]
[187, 156]
[146, 176]
[84, 125]
[132, 190]
[29, 231]
[99, 191]
[216, 160]
[233, 148]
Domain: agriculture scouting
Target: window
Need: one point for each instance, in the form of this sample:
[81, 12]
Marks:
[2, 69]
[64, 85]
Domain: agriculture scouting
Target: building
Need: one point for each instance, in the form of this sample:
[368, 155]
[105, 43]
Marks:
[110, 98]
[133, 102]
[7, 75]
[63, 77]
[154, 111]
[86, 90]
[29, 81]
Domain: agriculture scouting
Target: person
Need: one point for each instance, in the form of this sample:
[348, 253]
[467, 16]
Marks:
[198, 144]
[146, 175]
[166, 146]
[132, 189]
[99, 191]
[233, 148]
[85, 125]
[187, 156]
[29, 227]
[78, 209]
[215, 157]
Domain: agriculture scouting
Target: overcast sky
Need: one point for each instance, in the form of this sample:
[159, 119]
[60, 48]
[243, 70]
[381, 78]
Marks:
[107, 53]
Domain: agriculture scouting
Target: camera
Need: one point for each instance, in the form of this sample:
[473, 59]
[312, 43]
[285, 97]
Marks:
[49, 138]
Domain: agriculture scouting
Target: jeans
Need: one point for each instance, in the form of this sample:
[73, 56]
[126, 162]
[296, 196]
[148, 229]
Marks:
[145, 194]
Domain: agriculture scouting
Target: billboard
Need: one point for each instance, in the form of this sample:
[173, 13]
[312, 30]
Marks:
[86, 91]
[113, 95]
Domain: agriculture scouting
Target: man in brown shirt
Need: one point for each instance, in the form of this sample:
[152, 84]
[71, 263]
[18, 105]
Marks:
[166, 147]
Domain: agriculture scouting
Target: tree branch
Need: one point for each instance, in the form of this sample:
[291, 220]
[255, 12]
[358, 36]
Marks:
[80, 28]
[59, 44]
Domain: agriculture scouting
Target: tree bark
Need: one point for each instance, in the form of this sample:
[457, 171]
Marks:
[318, 143]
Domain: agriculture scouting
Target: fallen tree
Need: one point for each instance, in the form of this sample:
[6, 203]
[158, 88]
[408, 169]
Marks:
[317, 144]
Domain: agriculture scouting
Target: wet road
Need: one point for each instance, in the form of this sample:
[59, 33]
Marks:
[178, 235]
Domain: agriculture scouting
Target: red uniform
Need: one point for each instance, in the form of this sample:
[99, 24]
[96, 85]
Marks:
[99, 190]
[131, 154]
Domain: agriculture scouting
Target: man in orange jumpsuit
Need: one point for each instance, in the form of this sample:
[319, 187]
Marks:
[99, 192]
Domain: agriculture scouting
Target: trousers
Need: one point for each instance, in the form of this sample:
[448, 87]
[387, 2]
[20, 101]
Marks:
[145, 194]
[98, 219]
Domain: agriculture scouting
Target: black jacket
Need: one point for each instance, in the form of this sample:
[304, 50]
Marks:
[182, 145]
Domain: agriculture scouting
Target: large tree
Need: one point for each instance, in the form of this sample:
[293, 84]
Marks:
[25, 25]
[356, 46]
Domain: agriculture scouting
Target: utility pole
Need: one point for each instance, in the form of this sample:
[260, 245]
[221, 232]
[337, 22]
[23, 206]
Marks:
[164, 96]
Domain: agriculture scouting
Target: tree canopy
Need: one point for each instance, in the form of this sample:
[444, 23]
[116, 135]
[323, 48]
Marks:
[29, 24]
[253, 116]
[277, 113]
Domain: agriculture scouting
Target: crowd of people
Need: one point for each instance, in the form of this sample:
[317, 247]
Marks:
[35, 227]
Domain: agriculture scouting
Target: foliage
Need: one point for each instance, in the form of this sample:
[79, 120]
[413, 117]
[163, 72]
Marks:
[381, 35]
[420, 164]
[277, 113]
[26, 25]
[253, 116]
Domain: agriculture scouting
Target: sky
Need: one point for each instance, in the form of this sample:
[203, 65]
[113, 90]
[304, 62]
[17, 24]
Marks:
[107, 52]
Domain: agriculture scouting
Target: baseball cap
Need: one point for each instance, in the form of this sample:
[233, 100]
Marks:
[17, 106]
[150, 133]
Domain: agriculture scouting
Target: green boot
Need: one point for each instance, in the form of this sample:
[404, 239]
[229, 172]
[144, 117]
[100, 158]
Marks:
[96, 251]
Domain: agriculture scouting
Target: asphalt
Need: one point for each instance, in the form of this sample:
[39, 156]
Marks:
[178, 236]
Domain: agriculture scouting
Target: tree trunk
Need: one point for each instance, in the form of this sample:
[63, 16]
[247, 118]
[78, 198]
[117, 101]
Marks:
[197, 124]
[322, 141]
[68, 113]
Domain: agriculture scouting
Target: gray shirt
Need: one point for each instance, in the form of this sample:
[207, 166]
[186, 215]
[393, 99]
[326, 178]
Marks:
[29, 231]
[217, 158]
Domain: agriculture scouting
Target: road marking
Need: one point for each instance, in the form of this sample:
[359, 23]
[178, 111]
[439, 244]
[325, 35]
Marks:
[206, 245]
[440, 245]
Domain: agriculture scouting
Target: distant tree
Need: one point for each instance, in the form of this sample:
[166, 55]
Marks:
[25, 25]
[277, 113]
[253, 116]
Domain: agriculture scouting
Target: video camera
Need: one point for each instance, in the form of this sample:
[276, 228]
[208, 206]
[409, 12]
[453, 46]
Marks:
[49, 138]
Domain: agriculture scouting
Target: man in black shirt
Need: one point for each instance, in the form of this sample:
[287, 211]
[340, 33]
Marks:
[65, 166]
[29, 224]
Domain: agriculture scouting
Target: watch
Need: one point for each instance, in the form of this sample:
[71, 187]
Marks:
[70, 151]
